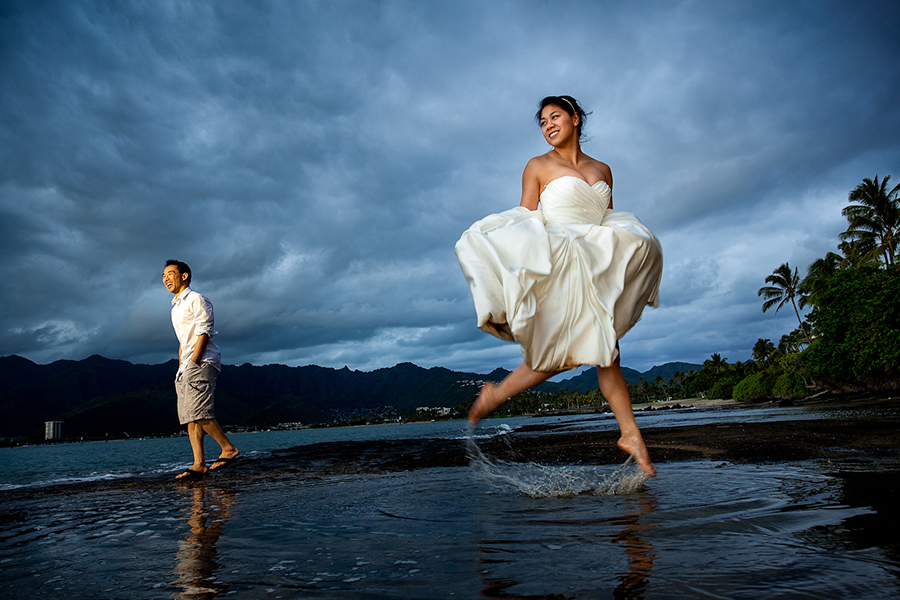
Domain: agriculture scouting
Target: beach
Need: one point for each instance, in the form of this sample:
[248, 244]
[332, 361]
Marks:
[750, 502]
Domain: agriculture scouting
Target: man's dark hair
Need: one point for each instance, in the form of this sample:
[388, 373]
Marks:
[182, 268]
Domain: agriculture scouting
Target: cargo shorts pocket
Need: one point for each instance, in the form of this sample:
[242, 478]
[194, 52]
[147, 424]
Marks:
[200, 386]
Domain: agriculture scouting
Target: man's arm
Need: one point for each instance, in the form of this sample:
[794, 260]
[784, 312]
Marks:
[200, 348]
[203, 322]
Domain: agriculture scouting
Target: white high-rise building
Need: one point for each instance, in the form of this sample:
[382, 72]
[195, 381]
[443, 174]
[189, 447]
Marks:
[53, 430]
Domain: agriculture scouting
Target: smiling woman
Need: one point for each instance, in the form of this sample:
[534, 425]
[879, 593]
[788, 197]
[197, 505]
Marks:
[567, 281]
[568, 104]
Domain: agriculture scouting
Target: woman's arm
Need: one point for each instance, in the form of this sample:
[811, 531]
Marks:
[531, 186]
[606, 174]
[609, 172]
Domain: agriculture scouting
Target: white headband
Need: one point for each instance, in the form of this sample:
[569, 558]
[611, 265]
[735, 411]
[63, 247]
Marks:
[574, 110]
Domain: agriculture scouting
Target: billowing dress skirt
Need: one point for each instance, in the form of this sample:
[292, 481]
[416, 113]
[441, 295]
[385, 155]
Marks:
[565, 282]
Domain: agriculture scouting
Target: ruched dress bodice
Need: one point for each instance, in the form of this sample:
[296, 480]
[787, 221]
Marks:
[565, 281]
[571, 200]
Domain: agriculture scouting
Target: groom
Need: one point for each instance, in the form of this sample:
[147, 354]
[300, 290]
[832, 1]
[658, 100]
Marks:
[198, 369]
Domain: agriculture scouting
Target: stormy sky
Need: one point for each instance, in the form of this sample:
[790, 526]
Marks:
[315, 162]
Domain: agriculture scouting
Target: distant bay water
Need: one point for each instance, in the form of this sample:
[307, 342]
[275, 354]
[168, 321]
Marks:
[63, 463]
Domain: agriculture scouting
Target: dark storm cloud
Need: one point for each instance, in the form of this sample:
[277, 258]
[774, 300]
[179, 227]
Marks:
[315, 162]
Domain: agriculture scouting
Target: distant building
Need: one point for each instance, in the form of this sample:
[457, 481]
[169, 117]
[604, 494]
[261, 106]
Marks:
[53, 430]
[441, 411]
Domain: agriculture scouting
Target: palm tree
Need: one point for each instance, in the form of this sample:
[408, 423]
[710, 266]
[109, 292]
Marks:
[785, 287]
[791, 342]
[659, 386]
[817, 276]
[642, 389]
[715, 362]
[762, 351]
[856, 256]
[875, 221]
[677, 382]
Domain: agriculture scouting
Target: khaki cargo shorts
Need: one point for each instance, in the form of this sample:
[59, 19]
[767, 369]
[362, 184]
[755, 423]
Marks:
[195, 387]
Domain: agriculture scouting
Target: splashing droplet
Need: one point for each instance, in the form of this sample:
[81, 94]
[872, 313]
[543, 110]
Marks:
[547, 481]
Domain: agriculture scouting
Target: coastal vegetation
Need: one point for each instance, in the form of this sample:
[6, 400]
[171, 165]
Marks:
[849, 340]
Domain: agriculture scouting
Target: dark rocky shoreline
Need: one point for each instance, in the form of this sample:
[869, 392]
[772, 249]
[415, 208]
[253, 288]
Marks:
[857, 438]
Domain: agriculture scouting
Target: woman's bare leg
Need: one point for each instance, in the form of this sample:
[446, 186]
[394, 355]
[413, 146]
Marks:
[492, 396]
[615, 389]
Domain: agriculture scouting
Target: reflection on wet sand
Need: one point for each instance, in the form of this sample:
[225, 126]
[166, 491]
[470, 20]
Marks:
[634, 583]
[210, 509]
[631, 584]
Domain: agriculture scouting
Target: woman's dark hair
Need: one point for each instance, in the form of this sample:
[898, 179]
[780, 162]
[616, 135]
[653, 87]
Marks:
[568, 104]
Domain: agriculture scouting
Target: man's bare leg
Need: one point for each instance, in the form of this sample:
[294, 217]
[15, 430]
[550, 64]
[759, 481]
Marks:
[492, 396]
[229, 451]
[615, 389]
[195, 435]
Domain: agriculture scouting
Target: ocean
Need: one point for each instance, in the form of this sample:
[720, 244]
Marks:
[701, 529]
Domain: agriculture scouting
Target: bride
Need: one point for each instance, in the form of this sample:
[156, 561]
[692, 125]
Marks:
[565, 281]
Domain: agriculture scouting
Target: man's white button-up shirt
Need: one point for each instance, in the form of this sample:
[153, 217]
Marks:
[192, 316]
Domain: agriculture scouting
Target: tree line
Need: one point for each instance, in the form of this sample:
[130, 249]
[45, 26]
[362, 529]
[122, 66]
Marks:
[850, 339]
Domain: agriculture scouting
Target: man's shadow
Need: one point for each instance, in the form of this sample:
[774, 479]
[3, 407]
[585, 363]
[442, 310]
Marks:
[210, 509]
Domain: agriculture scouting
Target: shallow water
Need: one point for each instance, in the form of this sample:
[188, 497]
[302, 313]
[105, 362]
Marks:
[701, 529]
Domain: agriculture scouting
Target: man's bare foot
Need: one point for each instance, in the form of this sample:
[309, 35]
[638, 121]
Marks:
[225, 459]
[486, 402]
[193, 473]
[634, 445]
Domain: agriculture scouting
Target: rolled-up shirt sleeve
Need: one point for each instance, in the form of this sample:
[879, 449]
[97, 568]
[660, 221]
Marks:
[204, 320]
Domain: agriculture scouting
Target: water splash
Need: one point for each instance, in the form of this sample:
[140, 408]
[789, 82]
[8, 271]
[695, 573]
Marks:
[548, 481]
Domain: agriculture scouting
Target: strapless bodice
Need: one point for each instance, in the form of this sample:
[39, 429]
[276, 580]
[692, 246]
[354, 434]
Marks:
[568, 199]
[566, 281]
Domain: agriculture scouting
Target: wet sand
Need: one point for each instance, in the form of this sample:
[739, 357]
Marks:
[856, 435]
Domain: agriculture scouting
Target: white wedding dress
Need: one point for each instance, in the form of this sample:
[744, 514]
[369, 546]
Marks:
[566, 281]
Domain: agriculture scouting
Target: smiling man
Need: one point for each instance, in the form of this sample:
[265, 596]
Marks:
[198, 368]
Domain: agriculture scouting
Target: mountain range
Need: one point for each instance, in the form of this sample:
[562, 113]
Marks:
[99, 396]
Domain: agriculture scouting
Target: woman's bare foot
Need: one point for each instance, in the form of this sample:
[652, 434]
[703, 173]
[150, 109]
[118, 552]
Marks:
[634, 445]
[486, 402]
